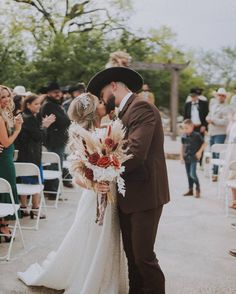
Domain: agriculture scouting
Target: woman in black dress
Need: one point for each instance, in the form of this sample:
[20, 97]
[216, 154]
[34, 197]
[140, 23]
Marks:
[30, 145]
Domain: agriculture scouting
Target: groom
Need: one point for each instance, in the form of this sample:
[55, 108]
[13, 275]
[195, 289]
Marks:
[145, 175]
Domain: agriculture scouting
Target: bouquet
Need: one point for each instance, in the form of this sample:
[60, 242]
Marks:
[98, 157]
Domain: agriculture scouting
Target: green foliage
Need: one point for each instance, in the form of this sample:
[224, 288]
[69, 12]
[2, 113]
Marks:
[70, 43]
[13, 63]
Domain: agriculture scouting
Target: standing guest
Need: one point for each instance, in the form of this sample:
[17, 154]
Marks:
[74, 91]
[146, 94]
[18, 102]
[10, 128]
[218, 122]
[57, 133]
[200, 96]
[192, 149]
[20, 90]
[197, 110]
[65, 94]
[30, 146]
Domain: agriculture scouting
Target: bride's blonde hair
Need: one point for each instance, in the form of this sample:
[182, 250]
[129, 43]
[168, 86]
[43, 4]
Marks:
[83, 110]
[7, 113]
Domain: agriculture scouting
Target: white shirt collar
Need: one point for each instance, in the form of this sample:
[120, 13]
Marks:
[124, 100]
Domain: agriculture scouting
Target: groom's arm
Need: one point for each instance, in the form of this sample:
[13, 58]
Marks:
[141, 127]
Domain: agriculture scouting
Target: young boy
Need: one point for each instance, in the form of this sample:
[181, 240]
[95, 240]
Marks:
[192, 148]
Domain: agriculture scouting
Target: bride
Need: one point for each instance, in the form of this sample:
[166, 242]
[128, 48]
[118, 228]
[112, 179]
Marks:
[90, 259]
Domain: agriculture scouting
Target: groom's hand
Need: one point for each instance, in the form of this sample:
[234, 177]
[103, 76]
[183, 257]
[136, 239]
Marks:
[1, 148]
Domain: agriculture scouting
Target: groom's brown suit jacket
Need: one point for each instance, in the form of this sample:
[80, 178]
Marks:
[145, 174]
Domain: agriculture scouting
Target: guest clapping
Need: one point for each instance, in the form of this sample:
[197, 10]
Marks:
[30, 145]
[57, 133]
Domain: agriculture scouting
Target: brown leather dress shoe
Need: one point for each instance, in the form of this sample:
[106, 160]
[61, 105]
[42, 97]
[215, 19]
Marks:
[232, 252]
[189, 193]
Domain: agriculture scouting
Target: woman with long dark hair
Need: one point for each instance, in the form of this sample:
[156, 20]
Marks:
[30, 146]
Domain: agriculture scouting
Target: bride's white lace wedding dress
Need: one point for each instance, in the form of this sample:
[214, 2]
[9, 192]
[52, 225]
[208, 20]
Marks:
[90, 259]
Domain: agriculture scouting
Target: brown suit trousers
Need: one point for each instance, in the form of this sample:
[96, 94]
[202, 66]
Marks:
[139, 234]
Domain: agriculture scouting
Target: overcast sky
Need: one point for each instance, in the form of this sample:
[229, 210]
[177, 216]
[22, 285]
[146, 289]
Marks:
[207, 24]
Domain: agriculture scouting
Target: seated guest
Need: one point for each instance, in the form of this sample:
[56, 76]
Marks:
[30, 146]
[218, 122]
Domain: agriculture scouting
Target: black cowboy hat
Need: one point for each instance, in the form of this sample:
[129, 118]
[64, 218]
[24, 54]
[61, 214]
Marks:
[195, 91]
[53, 86]
[78, 87]
[129, 77]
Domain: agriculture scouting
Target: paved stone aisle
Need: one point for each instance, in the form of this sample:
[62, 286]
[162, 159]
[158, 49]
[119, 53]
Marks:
[193, 240]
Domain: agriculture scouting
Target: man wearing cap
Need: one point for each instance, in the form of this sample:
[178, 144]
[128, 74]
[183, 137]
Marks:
[145, 175]
[74, 91]
[197, 110]
[57, 136]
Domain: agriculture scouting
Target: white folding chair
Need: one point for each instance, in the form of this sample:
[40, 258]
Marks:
[230, 184]
[30, 169]
[47, 159]
[10, 209]
[206, 163]
[217, 148]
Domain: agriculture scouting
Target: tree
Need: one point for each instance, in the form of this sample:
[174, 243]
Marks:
[13, 61]
[218, 67]
[67, 16]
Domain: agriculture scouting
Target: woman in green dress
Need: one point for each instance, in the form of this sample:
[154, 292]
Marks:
[10, 128]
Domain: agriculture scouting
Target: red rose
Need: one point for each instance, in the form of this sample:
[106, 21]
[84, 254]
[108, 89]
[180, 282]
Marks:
[104, 162]
[109, 142]
[115, 162]
[93, 158]
[89, 174]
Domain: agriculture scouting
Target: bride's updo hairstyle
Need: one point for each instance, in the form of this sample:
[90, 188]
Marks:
[83, 110]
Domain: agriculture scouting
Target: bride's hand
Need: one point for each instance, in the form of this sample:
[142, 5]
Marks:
[103, 187]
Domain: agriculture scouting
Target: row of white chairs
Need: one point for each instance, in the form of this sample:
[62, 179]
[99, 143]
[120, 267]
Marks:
[30, 169]
[10, 209]
[224, 185]
[49, 158]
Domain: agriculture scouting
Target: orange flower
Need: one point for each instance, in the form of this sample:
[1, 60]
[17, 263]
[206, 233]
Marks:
[104, 162]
